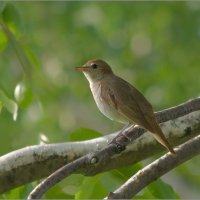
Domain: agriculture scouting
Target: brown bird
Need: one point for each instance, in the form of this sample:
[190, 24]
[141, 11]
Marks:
[119, 100]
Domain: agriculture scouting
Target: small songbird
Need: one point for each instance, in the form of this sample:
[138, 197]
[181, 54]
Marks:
[119, 100]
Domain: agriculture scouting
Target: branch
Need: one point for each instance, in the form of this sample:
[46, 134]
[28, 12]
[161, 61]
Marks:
[184, 125]
[95, 159]
[156, 169]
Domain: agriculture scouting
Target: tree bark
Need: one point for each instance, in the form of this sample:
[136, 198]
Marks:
[32, 163]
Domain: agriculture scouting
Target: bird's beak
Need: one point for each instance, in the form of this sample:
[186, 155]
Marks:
[82, 68]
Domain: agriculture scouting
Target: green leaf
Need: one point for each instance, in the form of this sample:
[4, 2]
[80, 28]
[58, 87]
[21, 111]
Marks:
[2, 6]
[19, 192]
[66, 188]
[1, 106]
[92, 188]
[126, 172]
[3, 41]
[23, 59]
[84, 134]
[162, 190]
[12, 18]
[145, 194]
[57, 192]
[31, 56]
[9, 104]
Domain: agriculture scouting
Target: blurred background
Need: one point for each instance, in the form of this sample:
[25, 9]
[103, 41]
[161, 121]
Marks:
[155, 46]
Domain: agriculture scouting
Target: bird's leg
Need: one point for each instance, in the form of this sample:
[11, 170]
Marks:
[126, 128]
[124, 136]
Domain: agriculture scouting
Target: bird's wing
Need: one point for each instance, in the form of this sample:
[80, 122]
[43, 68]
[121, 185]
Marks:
[129, 102]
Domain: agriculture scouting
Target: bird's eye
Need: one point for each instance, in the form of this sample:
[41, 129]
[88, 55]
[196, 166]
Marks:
[94, 65]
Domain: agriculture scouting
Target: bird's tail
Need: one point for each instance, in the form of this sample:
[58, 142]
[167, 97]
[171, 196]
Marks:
[159, 136]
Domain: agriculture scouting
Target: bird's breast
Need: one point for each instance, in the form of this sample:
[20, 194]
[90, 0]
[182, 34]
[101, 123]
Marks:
[104, 106]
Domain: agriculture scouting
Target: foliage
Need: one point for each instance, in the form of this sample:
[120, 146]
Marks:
[153, 45]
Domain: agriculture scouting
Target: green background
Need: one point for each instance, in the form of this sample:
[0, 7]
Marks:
[153, 45]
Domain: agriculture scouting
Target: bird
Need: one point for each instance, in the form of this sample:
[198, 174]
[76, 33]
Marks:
[120, 101]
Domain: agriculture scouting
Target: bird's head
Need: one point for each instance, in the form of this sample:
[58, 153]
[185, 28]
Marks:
[95, 70]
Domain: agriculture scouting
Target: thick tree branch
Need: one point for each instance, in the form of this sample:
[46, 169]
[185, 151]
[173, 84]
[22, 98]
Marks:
[48, 158]
[156, 169]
